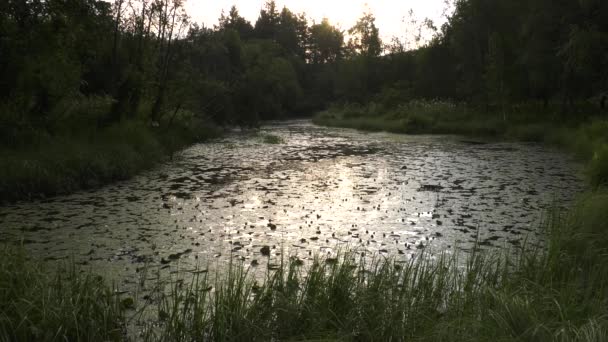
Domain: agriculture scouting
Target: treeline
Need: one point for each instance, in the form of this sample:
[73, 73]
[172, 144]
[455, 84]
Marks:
[496, 53]
[68, 64]
[81, 65]
[505, 51]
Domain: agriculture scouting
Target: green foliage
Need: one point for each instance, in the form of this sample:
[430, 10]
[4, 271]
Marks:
[235, 22]
[326, 42]
[365, 37]
[271, 139]
[38, 305]
[554, 292]
[78, 69]
[414, 117]
[598, 169]
[59, 166]
[535, 294]
[266, 26]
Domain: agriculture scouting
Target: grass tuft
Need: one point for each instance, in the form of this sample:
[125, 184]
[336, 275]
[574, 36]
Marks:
[37, 305]
[271, 139]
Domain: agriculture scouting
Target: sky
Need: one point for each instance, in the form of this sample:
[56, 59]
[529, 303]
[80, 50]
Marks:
[343, 13]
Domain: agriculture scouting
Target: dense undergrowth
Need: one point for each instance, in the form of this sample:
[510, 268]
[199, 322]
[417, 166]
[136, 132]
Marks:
[529, 122]
[75, 152]
[555, 293]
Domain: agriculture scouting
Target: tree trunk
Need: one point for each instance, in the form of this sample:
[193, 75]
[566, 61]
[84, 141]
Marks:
[116, 34]
[164, 69]
[179, 106]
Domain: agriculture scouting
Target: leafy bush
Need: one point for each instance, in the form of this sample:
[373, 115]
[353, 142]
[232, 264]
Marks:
[79, 115]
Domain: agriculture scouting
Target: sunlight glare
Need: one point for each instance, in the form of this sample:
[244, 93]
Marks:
[390, 14]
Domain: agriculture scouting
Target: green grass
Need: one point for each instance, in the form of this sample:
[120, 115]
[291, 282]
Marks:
[62, 305]
[553, 293]
[271, 139]
[579, 133]
[63, 164]
[525, 122]
[558, 292]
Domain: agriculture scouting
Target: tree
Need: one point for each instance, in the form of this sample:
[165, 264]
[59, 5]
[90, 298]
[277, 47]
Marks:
[172, 21]
[366, 36]
[266, 27]
[326, 43]
[235, 22]
[495, 73]
[292, 33]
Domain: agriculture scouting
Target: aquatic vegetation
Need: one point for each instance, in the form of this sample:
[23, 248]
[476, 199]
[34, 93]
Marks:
[534, 294]
[587, 140]
[174, 208]
[271, 139]
[556, 292]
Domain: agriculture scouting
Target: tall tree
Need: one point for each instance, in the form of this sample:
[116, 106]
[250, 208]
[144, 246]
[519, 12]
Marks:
[288, 35]
[365, 36]
[326, 43]
[234, 21]
[172, 22]
[266, 27]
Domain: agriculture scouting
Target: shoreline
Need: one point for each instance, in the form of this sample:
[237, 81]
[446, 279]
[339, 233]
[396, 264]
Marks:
[64, 165]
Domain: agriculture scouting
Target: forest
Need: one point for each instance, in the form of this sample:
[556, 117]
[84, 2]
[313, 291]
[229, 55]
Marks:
[162, 180]
[94, 63]
[87, 72]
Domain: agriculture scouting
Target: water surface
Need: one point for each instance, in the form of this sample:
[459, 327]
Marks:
[323, 189]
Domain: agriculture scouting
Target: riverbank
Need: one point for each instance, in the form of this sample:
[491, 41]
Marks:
[538, 294]
[587, 138]
[556, 293]
[50, 166]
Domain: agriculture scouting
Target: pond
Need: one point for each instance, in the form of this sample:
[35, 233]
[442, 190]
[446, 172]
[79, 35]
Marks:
[321, 190]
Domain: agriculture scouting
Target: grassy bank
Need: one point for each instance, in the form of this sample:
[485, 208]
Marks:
[555, 293]
[529, 122]
[587, 139]
[61, 305]
[558, 293]
[58, 164]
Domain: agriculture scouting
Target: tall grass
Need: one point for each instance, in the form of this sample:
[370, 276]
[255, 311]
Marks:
[556, 293]
[37, 305]
[523, 122]
[580, 133]
[553, 293]
[64, 163]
